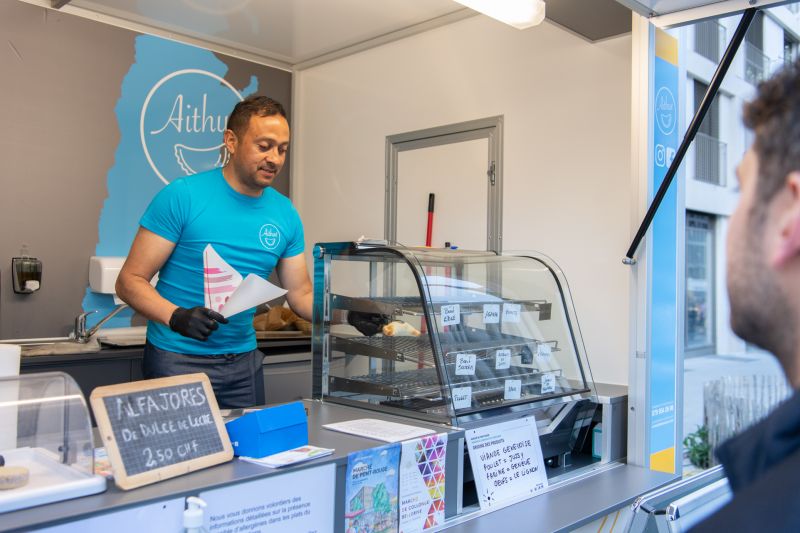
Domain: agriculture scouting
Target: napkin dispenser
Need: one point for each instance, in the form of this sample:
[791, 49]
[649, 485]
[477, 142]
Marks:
[269, 431]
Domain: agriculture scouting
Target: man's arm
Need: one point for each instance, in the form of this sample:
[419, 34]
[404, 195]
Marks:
[148, 254]
[294, 277]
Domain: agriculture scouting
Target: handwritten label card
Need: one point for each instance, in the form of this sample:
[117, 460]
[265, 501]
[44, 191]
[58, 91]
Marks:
[502, 359]
[160, 428]
[506, 462]
[543, 351]
[491, 313]
[511, 312]
[513, 389]
[462, 397]
[451, 315]
[548, 383]
[465, 364]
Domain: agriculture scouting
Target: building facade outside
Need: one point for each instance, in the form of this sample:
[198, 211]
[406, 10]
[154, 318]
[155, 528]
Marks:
[710, 165]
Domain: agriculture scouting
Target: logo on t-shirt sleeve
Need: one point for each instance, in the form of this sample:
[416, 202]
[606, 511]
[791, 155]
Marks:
[270, 236]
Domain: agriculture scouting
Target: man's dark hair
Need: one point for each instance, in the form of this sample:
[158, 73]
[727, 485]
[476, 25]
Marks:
[261, 106]
[774, 117]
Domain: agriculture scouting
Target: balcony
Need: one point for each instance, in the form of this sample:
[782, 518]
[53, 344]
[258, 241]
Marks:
[756, 64]
[710, 159]
[709, 40]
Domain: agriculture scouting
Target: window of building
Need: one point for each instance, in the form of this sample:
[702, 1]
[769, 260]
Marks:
[791, 47]
[710, 152]
[700, 303]
[756, 63]
[709, 39]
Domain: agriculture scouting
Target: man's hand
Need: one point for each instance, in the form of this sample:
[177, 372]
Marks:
[195, 323]
[367, 324]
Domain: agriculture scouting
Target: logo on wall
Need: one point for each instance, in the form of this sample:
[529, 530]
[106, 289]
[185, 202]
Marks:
[666, 111]
[269, 236]
[182, 121]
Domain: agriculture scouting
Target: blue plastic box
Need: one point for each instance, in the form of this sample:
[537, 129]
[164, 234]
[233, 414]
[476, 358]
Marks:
[268, 431]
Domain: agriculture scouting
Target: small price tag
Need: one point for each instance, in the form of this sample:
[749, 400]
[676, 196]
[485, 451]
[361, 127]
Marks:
[513, 389]
[465, 364]
[462, 397]
[511, 312]
[491, 313]
[451, 315]
[548, 383]
[502, 359]
[543, 350]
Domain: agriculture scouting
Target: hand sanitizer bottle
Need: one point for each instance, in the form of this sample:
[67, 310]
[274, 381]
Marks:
[193, 515]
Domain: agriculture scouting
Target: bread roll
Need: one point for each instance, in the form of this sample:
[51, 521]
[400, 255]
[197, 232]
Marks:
[12, 477]
[400, 329]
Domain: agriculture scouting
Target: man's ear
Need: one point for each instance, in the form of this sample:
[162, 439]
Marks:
[230, 140]
[789, 239]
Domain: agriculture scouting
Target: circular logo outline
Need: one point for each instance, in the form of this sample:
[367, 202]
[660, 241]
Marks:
[150, 94]
[674, 111]
[263, 240]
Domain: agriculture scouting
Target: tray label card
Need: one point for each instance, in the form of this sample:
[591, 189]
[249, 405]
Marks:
[451, 315]
[506, 462]
[502, 359]
[465, 364]
[513, 389]
[491, 313]
[548, 383]
[511, 312]
[462, 397]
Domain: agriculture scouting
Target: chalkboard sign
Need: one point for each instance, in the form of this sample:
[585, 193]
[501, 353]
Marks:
[160, 428]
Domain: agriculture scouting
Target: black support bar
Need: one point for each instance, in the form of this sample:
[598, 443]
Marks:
[713, 88]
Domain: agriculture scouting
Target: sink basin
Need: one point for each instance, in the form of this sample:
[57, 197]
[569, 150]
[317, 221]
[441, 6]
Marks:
[65, 347]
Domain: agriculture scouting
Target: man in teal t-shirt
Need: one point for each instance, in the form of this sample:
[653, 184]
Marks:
[252, 227]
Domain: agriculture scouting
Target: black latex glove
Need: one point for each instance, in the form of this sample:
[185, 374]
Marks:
[367, 323]
[195, 323]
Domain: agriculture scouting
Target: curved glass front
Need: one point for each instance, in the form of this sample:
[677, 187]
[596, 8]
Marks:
[442, 334]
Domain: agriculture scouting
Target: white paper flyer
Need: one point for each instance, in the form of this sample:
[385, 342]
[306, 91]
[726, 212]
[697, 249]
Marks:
[422, 475]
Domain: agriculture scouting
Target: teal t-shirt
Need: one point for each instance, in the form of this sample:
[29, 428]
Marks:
[250, 234]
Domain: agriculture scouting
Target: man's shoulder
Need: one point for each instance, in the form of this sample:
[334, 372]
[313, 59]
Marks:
[278, 199]
[768, 504]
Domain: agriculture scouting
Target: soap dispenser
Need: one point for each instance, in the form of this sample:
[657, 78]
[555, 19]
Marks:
[26, 272]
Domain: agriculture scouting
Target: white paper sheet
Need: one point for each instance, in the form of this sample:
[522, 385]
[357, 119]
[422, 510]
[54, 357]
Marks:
[226, 292]
[220, 280]
[379, 429]
[253, 291]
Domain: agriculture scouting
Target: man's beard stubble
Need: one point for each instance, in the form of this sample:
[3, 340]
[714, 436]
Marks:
[760, 311]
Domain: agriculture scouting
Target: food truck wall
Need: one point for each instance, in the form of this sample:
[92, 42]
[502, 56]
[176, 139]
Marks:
[566, 109]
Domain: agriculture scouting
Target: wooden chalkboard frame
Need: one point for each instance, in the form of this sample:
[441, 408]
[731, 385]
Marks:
[104, 425]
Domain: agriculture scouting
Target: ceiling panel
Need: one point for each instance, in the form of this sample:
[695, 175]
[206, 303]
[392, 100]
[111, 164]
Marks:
[292, 31]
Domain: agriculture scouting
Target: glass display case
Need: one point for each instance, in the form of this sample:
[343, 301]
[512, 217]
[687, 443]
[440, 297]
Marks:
[45, 441]
[449, 336]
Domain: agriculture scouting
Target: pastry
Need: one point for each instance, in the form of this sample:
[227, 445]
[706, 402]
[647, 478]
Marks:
[12, 477]
[400, 329]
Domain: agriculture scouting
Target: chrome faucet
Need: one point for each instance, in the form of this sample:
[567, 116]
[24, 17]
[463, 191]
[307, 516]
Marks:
[81, 335]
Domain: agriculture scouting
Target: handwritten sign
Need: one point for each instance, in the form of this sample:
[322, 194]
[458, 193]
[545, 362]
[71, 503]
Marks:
[465, 364]
[548, 383]
[506, 462]
[502, 359]
[513, 389]
[462, 397]
[491, 313]
[511, 312]
[451, 315]
[543, 351]
[160, 428]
